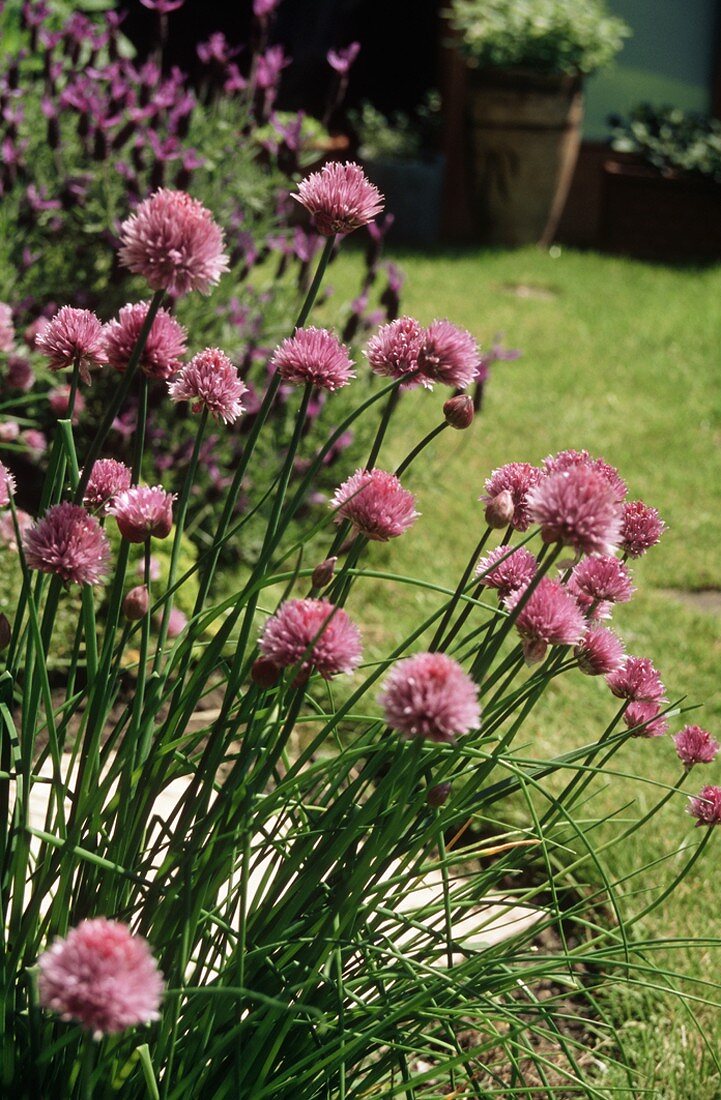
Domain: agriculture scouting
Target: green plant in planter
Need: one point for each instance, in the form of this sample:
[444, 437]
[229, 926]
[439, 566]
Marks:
[671, 140]
[402, 135]
[549, 36]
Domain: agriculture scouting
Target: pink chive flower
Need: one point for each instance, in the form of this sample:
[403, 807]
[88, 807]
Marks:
[550, 616]
[604, 578]
[518, 479]
[599, 652]
[648, 719]
[376, 503]
[568, 460]
[20, 374]
[448, 354]
[142, 513]
[9, 431]
[174, 243]
[641, 528]
[706, 806]
[578, 508]
[314, 635]
[177, 622]
[507, 570]
[210, 381]
[59, 401]
[7, 528]
[7, 485]
[74, 337]
[339, 198]
[107, 478]
[316, 356]
[68, 543]
[101, 975]
[695, 745]
[7, 332]
[394, 350]
[35, 442]
[164, 349]
[429, 695]
[637, 680]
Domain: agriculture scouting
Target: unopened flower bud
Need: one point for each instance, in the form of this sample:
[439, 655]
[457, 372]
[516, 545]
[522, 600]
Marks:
[136, 603]
[458, 411]
[500, 510]
[265, 673]
[5, 631]
[436, 796]
[534, 650]
[323, 573]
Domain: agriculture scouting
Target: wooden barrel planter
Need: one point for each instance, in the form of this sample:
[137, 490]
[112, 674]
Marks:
[525, 132]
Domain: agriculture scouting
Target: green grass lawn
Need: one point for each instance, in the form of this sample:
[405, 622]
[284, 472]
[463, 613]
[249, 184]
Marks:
[621, 358]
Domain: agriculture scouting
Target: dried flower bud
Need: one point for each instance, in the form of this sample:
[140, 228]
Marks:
[458, 411]
[534, 650]
[500, 510]
[5, 631]
[436, 796]
[323, 573]
[265, 673]
[136, 603]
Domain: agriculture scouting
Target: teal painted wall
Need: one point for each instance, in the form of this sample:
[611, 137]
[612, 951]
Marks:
[669, 60]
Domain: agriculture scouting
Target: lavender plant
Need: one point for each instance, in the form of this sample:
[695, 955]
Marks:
[241, 861]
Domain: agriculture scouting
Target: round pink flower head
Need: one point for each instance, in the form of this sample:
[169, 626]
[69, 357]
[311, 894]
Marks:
[706, 806]
[448, 354]
[516, 478]
[314, 355]
[143, 512]
[578, 508]
[174, 243]
[107, 478]
[376, 503]
[429, 695]
[339, 198]
[74, 337]
[568, 460]
[7, 485]
[7, 332]
[695, 745]
[35, 441]
[101, 975]
[550, 615]
[164, 348]
[394, 350]
[69, 543]
[177, 622]
[604, 578]
[20, 374]
[636, 680]
[645, 719]
[7, 527]
[314, 635]
[9, 431]
[641, 528]
[599, 652]
[507, 569]
[59, 401]
[210, 381]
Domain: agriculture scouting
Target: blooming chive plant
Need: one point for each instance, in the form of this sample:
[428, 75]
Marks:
[311, 882]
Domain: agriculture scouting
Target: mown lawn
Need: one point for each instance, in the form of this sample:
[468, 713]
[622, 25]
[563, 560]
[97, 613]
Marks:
[621, 358]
